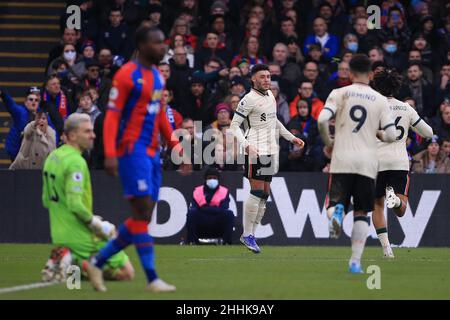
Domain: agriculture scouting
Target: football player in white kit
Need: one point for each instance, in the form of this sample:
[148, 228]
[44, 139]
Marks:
[257, 111]
[393, 170]
[360, 111]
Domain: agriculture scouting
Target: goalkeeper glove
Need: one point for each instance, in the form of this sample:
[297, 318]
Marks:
[101, 228]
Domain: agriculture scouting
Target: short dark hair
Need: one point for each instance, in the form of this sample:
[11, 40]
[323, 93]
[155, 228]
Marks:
[114, 9]
[163, 63]
[302, 81]
[259, 67]
[215, 59]
[360, 63]
[415, 63]
[286, 18]
[141, 34]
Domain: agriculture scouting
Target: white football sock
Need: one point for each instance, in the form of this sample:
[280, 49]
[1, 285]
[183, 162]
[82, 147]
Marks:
[260, 215]
[359, 236]
[251, 207]
[384, 240]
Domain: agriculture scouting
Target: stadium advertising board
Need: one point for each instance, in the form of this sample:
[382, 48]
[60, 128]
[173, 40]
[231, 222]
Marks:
[295, 216]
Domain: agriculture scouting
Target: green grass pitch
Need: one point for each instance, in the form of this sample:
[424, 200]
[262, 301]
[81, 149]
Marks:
[232, 272]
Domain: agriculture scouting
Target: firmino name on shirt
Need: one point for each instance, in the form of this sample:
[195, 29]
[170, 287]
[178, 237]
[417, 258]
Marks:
[370, 97]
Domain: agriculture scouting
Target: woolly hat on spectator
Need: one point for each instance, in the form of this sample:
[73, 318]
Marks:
[433, 139]
[155, 8]
[195, 79]
[212, 171]
[237, 80]
[426, 18]
[222, 106]
[242, 61]
[218, 4]
[88, 43]
[93, 63]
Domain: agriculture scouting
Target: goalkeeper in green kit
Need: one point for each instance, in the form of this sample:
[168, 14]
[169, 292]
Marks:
[67, 194]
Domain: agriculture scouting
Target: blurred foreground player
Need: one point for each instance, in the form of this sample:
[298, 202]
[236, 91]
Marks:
[67, 195]
[393, 170]
[360, 111]
[131, 134]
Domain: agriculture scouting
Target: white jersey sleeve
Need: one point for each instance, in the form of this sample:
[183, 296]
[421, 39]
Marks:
[242, 111]
[419, 125]
[328, 112]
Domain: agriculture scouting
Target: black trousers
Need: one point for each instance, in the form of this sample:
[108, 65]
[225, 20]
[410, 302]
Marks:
[209, 224]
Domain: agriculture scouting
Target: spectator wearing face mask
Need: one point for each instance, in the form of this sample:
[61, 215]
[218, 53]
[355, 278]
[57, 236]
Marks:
[209, 215]
[76, 65]
[396, 29]
[393, 57]
[39, 139]
[350, 42]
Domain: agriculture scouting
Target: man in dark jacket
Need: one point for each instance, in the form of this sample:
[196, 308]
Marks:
[179, 75]
[209, 215]
[116, 36]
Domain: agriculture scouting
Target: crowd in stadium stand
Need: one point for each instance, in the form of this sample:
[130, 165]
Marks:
[212, 46]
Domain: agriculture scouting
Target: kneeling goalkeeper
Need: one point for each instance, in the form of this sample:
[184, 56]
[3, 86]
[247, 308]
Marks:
[67, 195]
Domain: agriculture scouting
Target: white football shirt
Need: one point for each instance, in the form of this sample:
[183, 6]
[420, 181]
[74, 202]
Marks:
[258, 114]
[360, 112]
[393, 156]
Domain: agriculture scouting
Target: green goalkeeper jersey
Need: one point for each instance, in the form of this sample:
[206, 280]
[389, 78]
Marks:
[67, 195]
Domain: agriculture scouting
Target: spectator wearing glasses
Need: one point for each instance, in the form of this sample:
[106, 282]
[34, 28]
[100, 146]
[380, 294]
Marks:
[21, 115]
[215, 76]
[179, 41]
[102, 84]
[306, 92]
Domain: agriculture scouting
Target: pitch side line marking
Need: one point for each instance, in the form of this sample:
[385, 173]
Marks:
[27, 287]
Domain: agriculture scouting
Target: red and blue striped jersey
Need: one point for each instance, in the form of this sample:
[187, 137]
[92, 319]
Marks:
[134, 120]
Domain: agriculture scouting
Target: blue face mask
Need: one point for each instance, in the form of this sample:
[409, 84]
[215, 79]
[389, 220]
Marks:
[391, 48]
[352, 46]
[212, 183]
